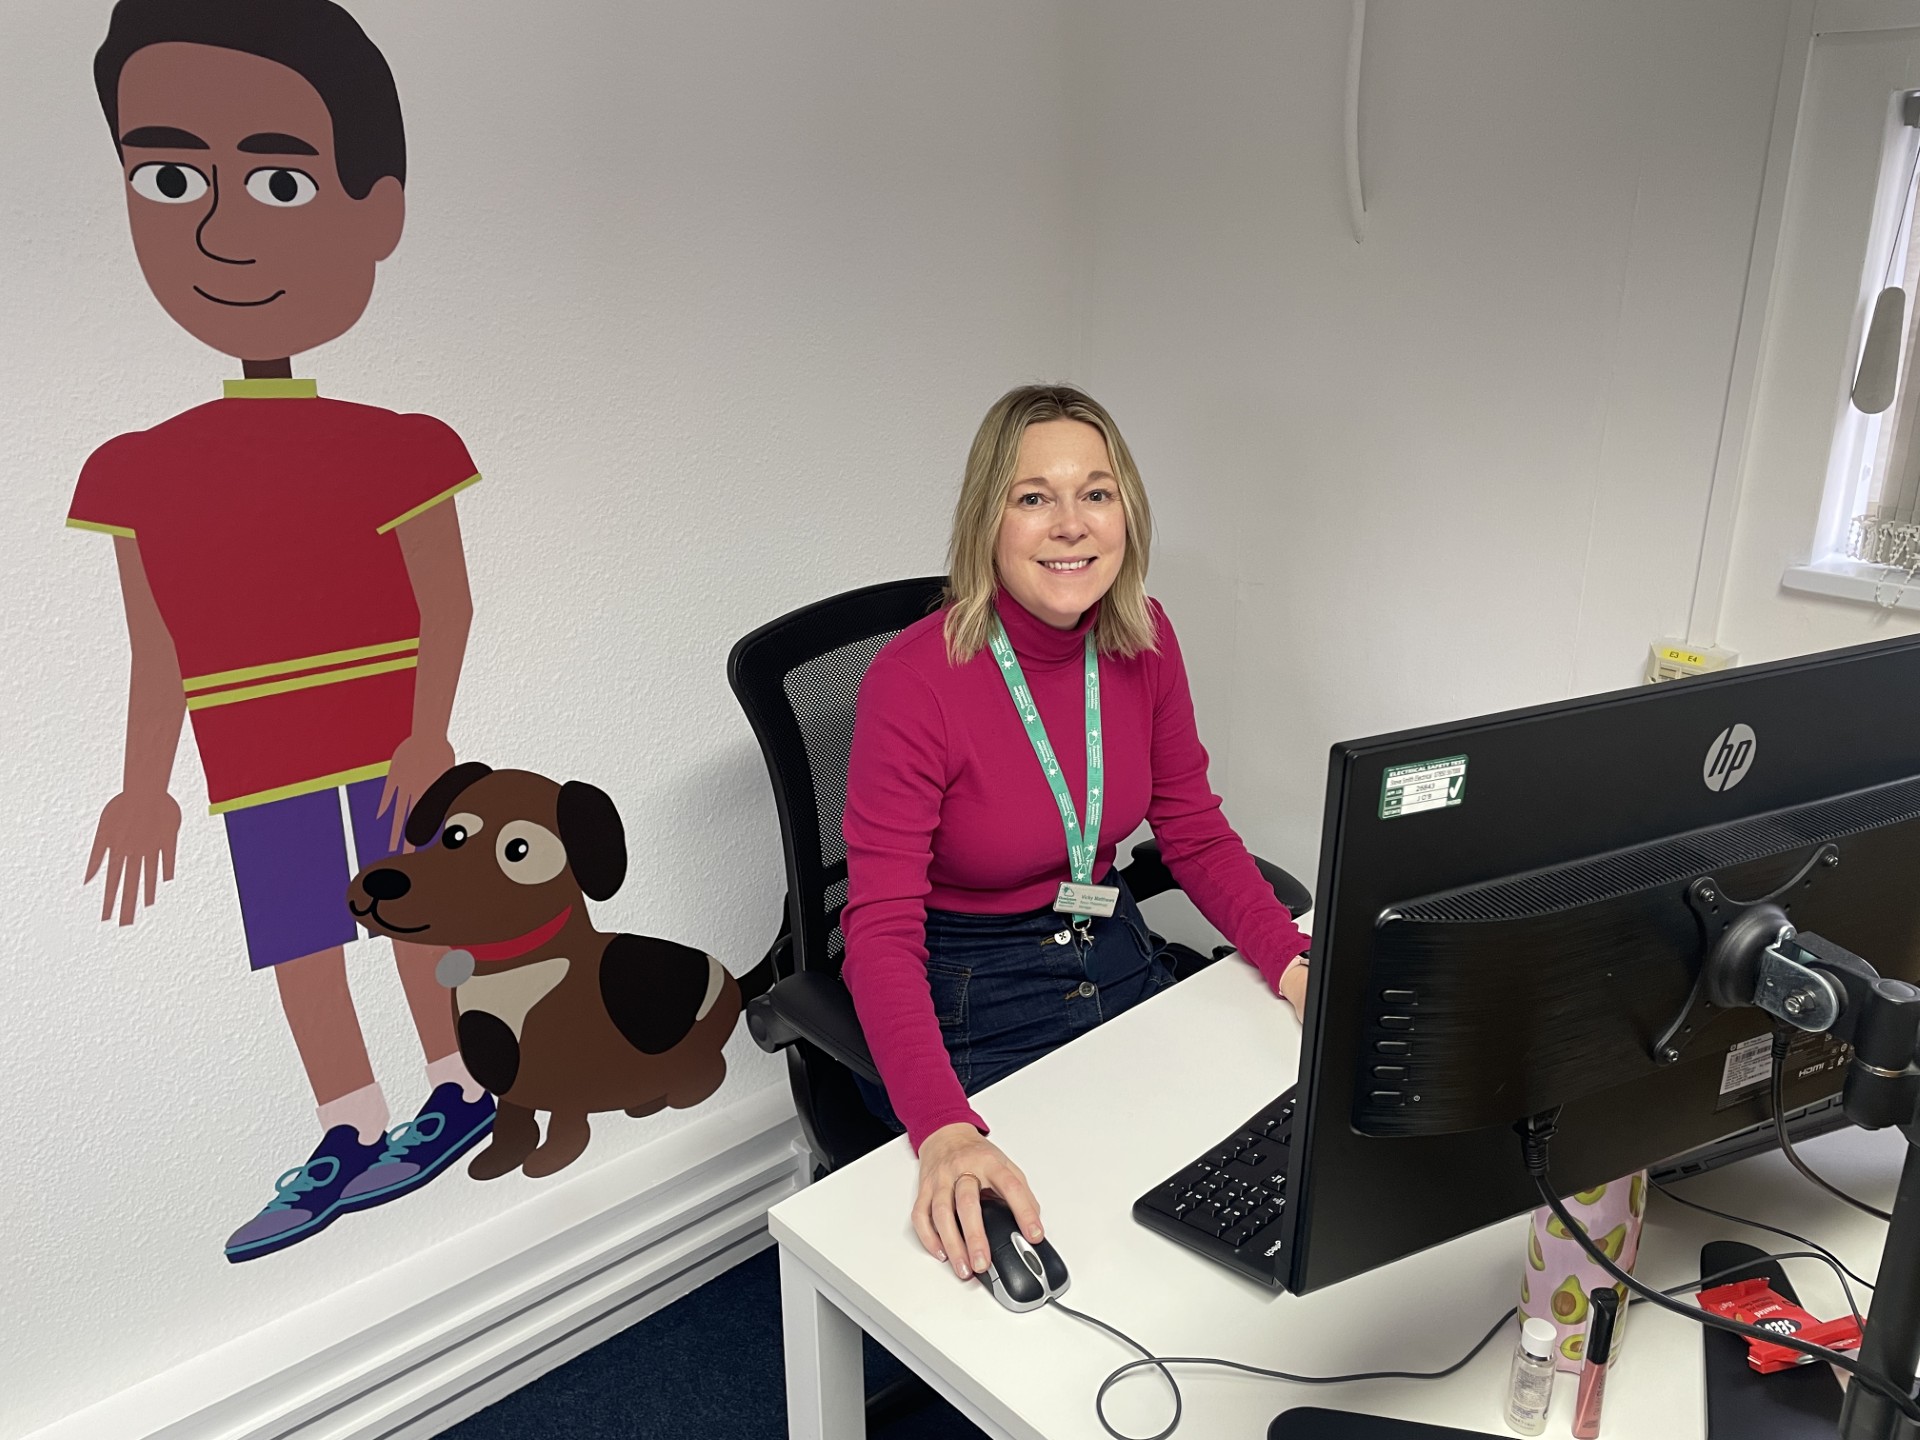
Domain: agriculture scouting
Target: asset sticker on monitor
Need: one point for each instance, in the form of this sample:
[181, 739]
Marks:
[1748, 1064]
[1429, 785]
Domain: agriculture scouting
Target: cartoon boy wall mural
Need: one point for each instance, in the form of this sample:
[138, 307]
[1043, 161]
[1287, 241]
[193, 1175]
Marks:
[291, 565]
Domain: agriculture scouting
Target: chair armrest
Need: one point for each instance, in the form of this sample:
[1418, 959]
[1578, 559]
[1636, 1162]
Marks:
[816, 1008]
[1147, 875]
[1287, 890]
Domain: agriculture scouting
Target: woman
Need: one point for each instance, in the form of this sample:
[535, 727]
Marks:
[974, 738]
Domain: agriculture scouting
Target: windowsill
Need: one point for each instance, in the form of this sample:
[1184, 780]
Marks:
[1874, 585]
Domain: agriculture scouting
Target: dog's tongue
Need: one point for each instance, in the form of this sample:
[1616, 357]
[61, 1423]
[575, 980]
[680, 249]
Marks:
[520, 945]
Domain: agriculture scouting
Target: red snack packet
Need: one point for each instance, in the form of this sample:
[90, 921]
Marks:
[1754, 1302]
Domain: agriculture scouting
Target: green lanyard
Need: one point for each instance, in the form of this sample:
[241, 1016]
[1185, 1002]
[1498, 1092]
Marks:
[1082, 844]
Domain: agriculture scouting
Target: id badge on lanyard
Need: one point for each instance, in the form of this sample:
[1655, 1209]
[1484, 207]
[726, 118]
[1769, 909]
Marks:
[1079, 897]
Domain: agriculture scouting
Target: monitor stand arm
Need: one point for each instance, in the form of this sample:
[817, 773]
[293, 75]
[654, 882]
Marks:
[1808, 982]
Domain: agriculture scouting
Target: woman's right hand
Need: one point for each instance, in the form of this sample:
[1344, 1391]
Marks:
[957, 1162]
[1293, 987]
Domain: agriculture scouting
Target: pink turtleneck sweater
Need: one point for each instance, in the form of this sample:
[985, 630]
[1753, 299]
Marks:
[947, 808]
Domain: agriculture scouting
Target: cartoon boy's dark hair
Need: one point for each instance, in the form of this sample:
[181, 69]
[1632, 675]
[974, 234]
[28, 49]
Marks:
[314, 38]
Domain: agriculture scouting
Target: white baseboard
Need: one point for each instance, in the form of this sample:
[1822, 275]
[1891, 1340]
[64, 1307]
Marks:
[431, 1364]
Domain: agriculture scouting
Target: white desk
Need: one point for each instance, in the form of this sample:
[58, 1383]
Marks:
[1097, 1123]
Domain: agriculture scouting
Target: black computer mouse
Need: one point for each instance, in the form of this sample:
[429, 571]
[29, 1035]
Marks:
[1022, 1276]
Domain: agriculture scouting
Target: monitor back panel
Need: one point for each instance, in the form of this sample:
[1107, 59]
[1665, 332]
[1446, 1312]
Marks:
[1427, 812]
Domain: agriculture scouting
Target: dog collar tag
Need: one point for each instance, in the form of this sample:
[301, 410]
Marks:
[455, 969]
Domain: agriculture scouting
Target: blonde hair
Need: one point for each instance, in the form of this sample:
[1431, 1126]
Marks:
[1125, 627]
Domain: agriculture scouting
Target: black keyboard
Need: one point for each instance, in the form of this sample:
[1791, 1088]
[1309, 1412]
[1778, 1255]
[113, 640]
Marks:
[1231, 1202]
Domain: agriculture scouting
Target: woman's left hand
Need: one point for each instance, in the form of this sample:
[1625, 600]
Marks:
[1293, 987]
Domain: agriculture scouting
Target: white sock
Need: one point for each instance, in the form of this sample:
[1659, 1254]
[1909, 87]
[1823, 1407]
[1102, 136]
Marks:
[365, 1109]
[451, 1070]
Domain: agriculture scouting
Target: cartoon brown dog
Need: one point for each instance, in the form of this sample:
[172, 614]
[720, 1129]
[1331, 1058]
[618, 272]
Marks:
[551, 1013]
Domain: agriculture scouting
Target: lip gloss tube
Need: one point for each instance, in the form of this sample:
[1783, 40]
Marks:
[1598, 1351]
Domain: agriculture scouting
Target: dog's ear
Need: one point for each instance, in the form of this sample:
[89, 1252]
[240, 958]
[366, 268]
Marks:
[423, 823]
[596, 841]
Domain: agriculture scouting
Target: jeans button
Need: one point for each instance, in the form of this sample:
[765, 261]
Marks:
[1086, 989]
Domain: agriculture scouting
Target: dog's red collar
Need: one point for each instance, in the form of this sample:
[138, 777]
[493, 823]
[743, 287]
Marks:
[513, 949]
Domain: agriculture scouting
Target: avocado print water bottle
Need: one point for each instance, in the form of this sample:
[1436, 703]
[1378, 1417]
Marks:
[1557, 1278]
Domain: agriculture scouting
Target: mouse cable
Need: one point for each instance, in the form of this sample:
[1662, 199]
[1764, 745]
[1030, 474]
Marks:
[1782, 1038]
[1536, 1134]
[1161, 1362]
[1851, 1274]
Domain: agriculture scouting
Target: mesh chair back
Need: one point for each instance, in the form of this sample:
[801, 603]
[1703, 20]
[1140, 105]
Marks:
[797, 678]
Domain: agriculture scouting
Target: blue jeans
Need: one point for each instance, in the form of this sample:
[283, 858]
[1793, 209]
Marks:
[1009, 988]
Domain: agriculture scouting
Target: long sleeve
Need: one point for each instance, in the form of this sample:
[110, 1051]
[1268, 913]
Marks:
[897, 774]
[1206, 856]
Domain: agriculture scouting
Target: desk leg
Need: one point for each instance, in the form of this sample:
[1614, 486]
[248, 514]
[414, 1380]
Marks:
[826, 1373]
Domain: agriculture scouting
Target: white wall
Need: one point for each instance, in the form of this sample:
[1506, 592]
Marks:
[715, 291]
[1464, 465]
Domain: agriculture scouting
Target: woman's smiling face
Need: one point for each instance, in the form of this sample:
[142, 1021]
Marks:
[1063, 531]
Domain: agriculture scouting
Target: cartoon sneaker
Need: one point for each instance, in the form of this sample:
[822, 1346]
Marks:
[306, 1198]
[447, 1126]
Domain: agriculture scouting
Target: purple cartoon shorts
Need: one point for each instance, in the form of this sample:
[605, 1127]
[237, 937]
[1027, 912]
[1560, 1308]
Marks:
[290, 862]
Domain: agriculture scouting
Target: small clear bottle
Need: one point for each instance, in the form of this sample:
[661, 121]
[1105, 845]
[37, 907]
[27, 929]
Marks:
[1530, 1387]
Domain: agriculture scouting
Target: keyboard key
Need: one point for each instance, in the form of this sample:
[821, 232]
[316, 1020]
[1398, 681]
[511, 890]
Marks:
[1262, 1236]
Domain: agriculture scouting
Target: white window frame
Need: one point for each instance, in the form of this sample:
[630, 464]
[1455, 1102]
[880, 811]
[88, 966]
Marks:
[1830, 570]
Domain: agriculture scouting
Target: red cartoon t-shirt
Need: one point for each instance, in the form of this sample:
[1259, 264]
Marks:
[265, 524]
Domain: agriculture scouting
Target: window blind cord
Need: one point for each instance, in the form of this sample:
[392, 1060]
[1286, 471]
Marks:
[1906, 210]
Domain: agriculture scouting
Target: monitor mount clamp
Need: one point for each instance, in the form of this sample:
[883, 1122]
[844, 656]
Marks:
[1810, 983]
[1728, 929]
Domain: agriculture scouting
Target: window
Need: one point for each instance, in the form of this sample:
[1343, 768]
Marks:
[1873, 510]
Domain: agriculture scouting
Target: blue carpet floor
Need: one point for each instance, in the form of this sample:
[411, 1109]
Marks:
[708, 1367]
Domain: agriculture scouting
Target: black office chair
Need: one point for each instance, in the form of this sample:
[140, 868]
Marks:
[797, 678]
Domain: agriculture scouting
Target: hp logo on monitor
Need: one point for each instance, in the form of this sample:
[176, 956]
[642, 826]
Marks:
[1729, 757]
